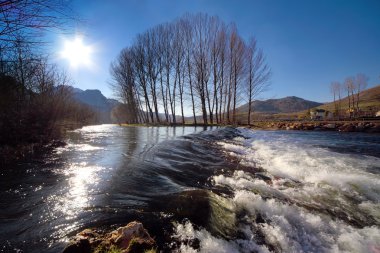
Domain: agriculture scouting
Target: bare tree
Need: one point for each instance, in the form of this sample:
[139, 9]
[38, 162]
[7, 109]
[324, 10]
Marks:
[361, 81]
[188, 33]
[124, 83]
[215, 54]
[348, 86]
[222, 40]
[258, 73]
[198, 58]
[179, 64]
[41, 96]
[141, 66]
[162, 53]
[201, 59]
[237, 48]
[168, 66]
[29, 19]
[335, 88]
[153, 67]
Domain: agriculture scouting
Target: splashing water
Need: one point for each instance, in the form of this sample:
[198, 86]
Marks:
[295, 193]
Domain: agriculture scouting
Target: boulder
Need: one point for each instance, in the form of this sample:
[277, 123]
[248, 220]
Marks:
[135, 232]
[330, 126]
[79, 245]
[132, 238]
[347, 128]
[359, 128]
[309, 127]
[375, 128]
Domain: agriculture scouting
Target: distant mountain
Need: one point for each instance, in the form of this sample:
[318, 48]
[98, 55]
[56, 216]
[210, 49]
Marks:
[98, 102]
[93, 98]
[281, 105]
[369, 104]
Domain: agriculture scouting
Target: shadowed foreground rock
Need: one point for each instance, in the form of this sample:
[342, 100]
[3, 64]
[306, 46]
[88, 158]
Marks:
[132, 238]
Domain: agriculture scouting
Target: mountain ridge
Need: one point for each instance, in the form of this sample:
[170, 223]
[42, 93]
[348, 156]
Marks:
[287, 104]
[97, 101]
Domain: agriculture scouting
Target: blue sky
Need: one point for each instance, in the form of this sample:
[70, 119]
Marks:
[308, 44]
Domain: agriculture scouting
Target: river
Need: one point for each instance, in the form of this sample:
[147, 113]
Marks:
[214, 190]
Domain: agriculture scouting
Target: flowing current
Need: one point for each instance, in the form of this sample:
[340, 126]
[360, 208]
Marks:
[199, 190]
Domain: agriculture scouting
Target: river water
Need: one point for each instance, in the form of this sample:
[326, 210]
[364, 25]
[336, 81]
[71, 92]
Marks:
[196, 189]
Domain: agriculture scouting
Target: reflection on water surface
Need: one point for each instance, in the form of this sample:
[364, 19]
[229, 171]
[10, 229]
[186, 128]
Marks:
[94, 179]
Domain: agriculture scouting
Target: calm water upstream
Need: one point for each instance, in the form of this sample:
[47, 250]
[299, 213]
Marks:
[214, 190]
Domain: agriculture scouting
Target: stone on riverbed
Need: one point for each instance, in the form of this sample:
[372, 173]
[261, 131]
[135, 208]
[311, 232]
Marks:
[131, 238]
[330, 126]
[135, 232]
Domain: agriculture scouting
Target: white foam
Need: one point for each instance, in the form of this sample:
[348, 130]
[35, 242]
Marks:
[287, 159]
[211, 244]
[305, 179]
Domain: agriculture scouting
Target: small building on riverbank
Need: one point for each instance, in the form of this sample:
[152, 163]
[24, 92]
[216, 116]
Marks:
[320, 114]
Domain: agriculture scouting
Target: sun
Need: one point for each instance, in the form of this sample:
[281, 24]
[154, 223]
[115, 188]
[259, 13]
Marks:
[77, 53]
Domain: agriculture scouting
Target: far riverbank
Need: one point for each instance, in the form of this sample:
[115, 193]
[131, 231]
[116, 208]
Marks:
[341, 126]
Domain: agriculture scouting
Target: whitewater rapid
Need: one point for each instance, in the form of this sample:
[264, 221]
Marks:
[296, 192]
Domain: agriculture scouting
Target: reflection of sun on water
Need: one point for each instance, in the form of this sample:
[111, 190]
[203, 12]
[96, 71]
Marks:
[82, 182]
[98, 131]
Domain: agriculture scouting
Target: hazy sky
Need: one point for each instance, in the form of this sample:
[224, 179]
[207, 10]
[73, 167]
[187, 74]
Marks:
[308, 44]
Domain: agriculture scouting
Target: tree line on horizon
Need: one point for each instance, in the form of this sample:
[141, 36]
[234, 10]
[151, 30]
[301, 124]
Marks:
[352, 86]
[195, 61]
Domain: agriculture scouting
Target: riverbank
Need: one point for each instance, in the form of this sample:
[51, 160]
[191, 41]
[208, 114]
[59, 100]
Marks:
[341, 126]
[26, 149]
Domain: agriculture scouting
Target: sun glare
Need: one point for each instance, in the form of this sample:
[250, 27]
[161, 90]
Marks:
[77, 53]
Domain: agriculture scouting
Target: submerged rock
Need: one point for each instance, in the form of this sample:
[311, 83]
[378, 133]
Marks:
[204, 208]
[132, 238]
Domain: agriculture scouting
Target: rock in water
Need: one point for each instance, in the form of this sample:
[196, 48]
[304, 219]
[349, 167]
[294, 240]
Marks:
[132, 238]
[330, 126]
[80, 245]
[134, 235]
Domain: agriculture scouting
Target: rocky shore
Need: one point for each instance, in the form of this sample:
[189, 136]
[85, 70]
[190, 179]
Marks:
[341, 126]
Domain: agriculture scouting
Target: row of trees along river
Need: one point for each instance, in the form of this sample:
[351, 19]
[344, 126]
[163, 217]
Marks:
[197, 62]
[35, 96]
[353, 86]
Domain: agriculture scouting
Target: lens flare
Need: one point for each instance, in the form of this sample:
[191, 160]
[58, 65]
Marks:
[77, 53]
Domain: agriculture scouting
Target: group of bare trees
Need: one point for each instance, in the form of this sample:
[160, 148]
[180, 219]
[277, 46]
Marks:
[196, 63]
[352, 86]
[34, 94]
